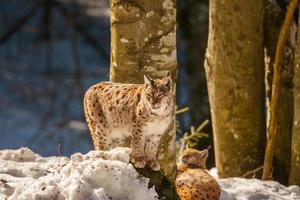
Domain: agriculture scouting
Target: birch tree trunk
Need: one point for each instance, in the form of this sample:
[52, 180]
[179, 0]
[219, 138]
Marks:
[143, 40]
[235, 73]
[295, 157]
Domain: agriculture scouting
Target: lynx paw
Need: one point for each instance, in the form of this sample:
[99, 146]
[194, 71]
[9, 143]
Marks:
[154, 164]
[138, 161]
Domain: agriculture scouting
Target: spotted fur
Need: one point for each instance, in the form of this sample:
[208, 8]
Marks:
[116, 111]
[193, 182]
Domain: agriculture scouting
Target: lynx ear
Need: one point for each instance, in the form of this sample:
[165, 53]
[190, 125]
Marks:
[204, 153]
[168, 82]
[147, 80]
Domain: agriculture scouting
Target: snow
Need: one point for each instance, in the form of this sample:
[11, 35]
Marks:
[254, 189]
[104, 175]
[97, 175]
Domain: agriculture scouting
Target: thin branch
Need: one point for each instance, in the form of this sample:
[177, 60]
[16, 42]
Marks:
[81, 29]
[252, 172]
[274, 120]
[182, 110]
[16, 27]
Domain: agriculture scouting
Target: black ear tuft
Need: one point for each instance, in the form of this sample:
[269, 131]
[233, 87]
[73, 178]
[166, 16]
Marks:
[147, 80]
[168, 83]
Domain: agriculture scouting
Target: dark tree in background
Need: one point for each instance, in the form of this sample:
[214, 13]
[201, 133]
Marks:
[193, 24]
[193, 29]
[50, 51]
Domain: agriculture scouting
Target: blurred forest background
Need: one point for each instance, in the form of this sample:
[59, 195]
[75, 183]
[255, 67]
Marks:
[52, 51]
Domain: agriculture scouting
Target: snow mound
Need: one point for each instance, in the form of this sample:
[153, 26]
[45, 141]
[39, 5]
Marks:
[97, 175]
[254, 189]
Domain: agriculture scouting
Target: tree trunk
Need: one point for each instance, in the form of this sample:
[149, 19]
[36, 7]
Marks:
[235, 73]
[273, 21]
[143, 40]
[295, 153]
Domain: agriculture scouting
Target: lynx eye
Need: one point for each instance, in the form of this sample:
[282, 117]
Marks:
[164, 88]
[148, 96]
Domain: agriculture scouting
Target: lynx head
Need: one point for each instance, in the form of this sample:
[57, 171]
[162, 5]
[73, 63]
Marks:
[158, 92]
[194, 158]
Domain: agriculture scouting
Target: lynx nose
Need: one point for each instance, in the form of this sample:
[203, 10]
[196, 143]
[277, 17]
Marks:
[159, 94]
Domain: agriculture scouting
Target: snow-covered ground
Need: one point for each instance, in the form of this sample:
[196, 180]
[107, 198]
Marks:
[254, 189]
[97, 175]
[104, 175]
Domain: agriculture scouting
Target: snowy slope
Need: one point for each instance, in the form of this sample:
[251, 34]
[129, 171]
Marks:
[99, 175]
[253, 189]
[104, 175]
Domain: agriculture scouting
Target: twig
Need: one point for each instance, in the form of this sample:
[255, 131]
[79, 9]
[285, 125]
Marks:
[20, 22]
[46, 24]
[192, 135]
[205, 123]
[182, 110]
[274, 123]
[58, 150]
[79, 27]
[183, 143]
[252, 172]
[58, 155]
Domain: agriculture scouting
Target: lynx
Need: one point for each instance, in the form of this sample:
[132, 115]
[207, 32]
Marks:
[116, 111]
[193, 182]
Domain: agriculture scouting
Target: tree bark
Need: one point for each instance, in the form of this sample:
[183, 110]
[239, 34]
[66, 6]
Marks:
[234, 68]
[143, 40]
[295, 153]
[273, 20]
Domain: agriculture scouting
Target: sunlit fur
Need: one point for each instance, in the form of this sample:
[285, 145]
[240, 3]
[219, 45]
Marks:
[193, 182]
[143, 112]
[194, 158]
[158, 92]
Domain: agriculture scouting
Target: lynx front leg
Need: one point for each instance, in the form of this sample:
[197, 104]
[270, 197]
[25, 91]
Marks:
[138, 149]
[152, 144]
